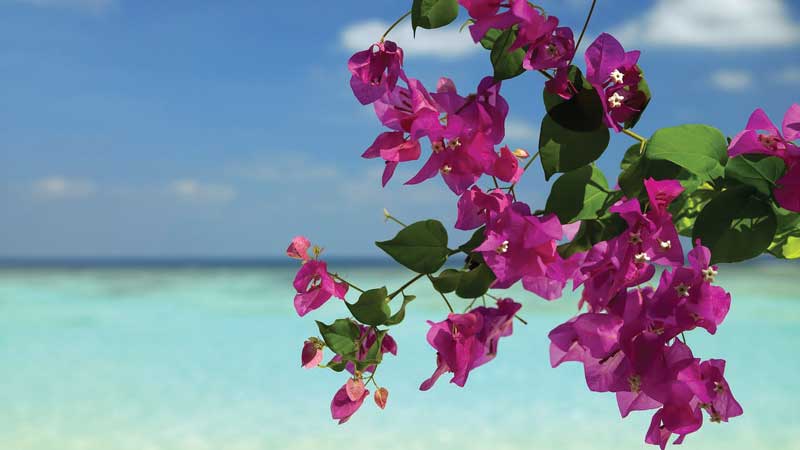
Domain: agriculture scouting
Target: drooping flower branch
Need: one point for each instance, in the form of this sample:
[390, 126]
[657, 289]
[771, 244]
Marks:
[734, 200]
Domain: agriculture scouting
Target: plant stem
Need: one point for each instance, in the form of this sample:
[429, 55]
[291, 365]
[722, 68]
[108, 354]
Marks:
[585, 25]
[642, 140]
[397, 221]
[409, 283]
[450, 307]
[524, 322]
[346, 282]
[396, 22]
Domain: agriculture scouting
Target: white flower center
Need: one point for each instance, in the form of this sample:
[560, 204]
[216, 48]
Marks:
[641, 258]
[615, 101]
[682, 290]
[709, 274]
[447, 168]
[617, 76]
[502, 248]
[665, 245]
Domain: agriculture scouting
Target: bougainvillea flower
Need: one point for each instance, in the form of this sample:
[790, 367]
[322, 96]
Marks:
[479, 9]
[394, 148]
[315, 286]
[787, 194]
[614, 75]
[707, 382]
[460, 163]
[343, 407]
[505, 166]
[381, 396]
[466, 341]
[476, 208]
[521, 246]
[375, 71]
[298, 248]
[553, 52]
[403, 107]
[311, 354]
[486, 17]
[762, 136]
[483, 112]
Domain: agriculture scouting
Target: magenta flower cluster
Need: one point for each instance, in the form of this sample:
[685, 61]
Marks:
[640, 291]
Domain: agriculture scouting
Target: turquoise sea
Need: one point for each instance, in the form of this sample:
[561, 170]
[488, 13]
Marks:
[207, 357]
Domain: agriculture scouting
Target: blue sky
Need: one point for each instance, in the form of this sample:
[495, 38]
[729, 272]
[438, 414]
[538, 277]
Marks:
[205, 128]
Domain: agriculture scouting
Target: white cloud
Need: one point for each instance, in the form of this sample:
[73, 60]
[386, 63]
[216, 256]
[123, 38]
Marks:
[193, 190]
[441, 43]
[58, 187]
[731, 80]
[714, 24]
[93, 6]
[518, 130]
[788, 75]
[295, 167]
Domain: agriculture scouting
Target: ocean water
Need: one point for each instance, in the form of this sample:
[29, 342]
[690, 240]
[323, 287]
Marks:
[208, 358]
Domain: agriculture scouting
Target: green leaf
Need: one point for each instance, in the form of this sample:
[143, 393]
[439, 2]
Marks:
[636, 168]
[401, 313]
[337, 366]
[490, 37]
[735, 226]
[506, 64]
[475, 240]
[372, 307]
[563, 150]
[475, 282]
[756, 170]
[700, 149]
[786, 243]
[591, 232]
[421, 246]
[581, 112]
[340, 336]
[579, 195]
[688, 206]
[432, 14]
[447, 281]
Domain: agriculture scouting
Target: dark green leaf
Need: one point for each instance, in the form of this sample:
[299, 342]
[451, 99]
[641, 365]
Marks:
[401, 313]
[735, 226]
[563, 150]
[700, 149]
[506, 64]
[337, 366]
[475, 282]
[421, 246]
[447, 281]
[374, 354]
[372, 307]
[578, 195]
[636, 168]
[756, 170]
[688, 206]
[431, 14]
[340, 336]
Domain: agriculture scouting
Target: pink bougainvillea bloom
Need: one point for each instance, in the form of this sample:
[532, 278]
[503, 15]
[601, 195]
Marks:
[375, 71]
[707, 382]
[552, 52]
[355, 388]
[478, 9]
[787, 194]
[298, 249]
[522, 246]
[394, 148]
[367, 338]
[381, 396]
[311, 355]
[466, 341]
[410, 109]
[505, 166]
[460, 163]
[315, 286]
[614, 75]
[762, 136]
[483, 112]
[487, 17]
[476, 208]
[343, 407]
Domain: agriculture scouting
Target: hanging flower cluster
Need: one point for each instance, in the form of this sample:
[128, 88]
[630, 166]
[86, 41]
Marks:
[733, 201]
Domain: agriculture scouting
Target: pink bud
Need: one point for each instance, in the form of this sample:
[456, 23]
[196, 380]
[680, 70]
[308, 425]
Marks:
[298, 249]
[381, 395]
[311, 355]
[355, 389]
[521, 153]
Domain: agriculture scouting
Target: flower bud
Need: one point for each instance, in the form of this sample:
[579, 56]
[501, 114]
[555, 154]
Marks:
[521, 153]
[311, 355]
[381, 395]
[355, 389]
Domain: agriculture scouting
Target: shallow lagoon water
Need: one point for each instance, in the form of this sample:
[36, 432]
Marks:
[208, 358]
